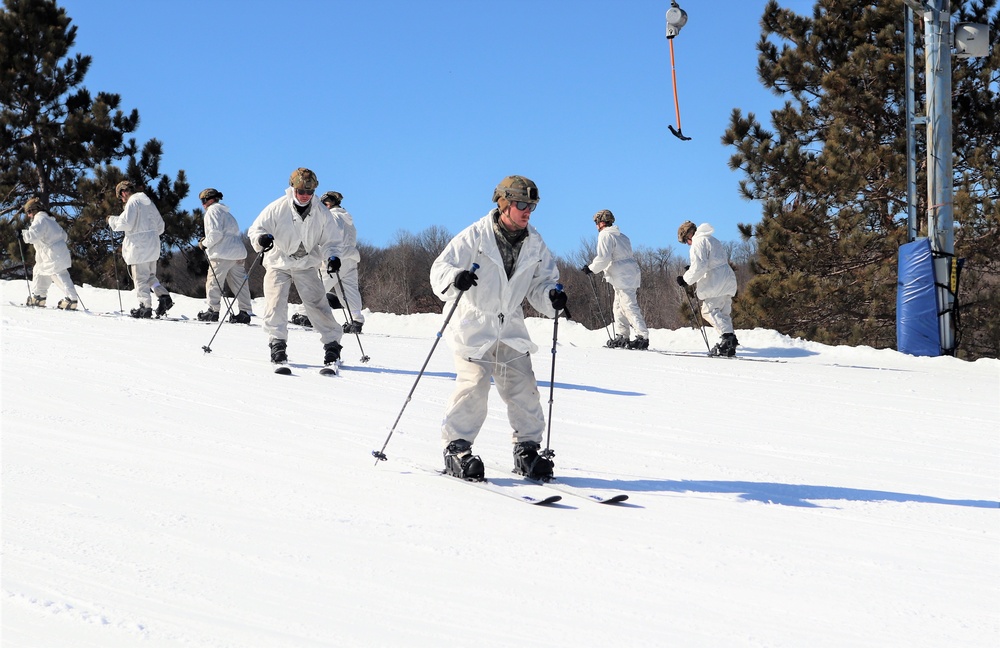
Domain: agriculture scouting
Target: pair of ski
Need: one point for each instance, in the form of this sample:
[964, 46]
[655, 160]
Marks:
[285, 370]
[127, 315]
[532, 491]
[684, 354]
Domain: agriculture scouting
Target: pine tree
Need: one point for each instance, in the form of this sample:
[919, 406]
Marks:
[58, 142]
[831, 175]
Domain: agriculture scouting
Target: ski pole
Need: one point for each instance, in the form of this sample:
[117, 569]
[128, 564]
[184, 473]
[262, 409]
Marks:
[609, 293]
[694, 314]
[548, 452]
[350, 318]
[600, 311]
[114, 255]
[80, 299]
[380, 454]
[24, 265]
[222, 289]
[208, 347]
[218, 283]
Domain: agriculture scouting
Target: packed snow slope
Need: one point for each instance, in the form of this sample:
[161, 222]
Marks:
[156, 495]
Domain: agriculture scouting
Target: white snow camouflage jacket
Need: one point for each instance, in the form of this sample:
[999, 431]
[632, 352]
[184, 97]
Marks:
[709, 269]
[491, 310]
[614, 258]
[222, 234]
[49, 239]
[299, 243]
[345, 222]
[142, 224]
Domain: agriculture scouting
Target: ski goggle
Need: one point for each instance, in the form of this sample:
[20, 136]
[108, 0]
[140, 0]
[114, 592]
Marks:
[524, 205]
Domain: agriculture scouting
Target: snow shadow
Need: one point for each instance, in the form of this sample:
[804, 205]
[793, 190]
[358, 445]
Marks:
[542, 384]
[769, 492]
[775, 352]
[399, 372]
[783, 353]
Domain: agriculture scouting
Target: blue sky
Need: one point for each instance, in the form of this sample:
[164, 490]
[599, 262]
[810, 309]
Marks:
[415, 110]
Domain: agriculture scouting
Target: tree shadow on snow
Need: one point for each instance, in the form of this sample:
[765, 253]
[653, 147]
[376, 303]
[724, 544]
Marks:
[768, 492]
[785, 353]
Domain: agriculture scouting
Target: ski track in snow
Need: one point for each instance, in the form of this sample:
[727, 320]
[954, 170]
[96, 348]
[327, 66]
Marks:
[156, 495]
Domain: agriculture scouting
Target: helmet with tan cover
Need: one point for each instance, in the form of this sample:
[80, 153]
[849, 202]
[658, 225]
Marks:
[303, 178]
[604, 216]
[685, 231]
[334, 198]
[33, 206]
[515, 188]
[124, 185]
[209, 194]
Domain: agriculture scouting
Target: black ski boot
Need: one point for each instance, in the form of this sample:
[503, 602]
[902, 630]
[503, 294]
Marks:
[619, 342]
[301, 320]
[529, 463]
[242, 317]
[36, 300]
[460, 462]
[166, 303]
[207, 316]
[278, 351]
[332, 350]
[639, 343]
[142, 312]
[727, 346]
[67, 304]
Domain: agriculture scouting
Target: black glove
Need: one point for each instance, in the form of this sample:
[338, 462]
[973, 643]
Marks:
[681, 282]
[333, 266]
[586, 270]
[466, 279]
[20, 235]
[266, 242]
[558, 299]
[333, 300]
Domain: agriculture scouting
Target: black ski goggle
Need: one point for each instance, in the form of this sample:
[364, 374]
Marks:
[523, 205]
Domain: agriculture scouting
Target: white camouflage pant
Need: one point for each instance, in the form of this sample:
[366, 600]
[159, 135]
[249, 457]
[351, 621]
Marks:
[307, 282]
[232, 272]
[717, 311]
[515, 380]
[61, 278]
[144, 277]
[626, 311]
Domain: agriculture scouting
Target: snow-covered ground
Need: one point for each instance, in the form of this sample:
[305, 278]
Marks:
[155, 495]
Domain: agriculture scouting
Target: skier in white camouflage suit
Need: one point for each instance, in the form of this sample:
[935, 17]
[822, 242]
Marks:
[52, 260]
[715, 282]
[299, 239]
[223, 245]
[348, 275]
[614, 258]
[488, 333]
[142, 225]
[350, 296]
